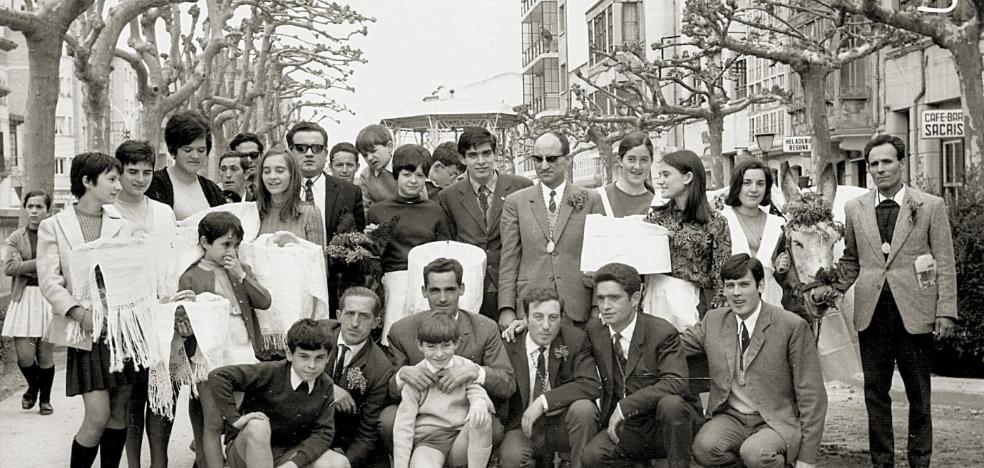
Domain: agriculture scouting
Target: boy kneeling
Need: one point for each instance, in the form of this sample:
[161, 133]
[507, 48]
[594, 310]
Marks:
[437, 423]
[287, 418]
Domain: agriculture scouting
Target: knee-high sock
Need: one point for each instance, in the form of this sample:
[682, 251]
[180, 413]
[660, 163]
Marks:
[82, 456]
[45, 378]
[111, 447]
[31, 376]
[478, 457]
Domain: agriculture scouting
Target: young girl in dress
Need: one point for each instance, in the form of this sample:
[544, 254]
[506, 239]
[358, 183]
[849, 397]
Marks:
[28, 314]
[95, 182]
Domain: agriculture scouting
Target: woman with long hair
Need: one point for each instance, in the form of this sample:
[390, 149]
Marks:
[699, 244]
[632, 193]
[278, 198]
[753, 229]
[28, 314]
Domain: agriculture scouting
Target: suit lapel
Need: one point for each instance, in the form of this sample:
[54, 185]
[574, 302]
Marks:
[869, 223]
[604, 361]
[539, 211]
[566, 209]
[553, 363]
[465, 332]
[635, 347]
[69, 223]
[111, 222]
[331, 195]
[758, 335]
[502, 187]
[730, 340]
[470, 202]
[522, 368]
[903, 225]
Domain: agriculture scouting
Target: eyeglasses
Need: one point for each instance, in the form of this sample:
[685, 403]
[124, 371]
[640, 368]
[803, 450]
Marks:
[302, 148]
[549, 159]
[252, 155]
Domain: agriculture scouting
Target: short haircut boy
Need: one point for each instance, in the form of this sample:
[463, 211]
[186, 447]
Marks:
[305, 127]
[541, 295]
[444, 265]
[343, 147]
[135, 152]
[90, 166]
[359, 291]
[447, 154]
[410, 157]
[243, 160]
[185, 127]
[372, 135]
[217, 224]
[438, 329]
[308, 335]
[37, 193]
[246, 137]
[625, 275]
[737, 265]
[474, 136]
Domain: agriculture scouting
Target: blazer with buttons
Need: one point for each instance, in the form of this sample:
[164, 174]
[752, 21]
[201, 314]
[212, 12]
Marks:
[468, 225]
[526, 264]
[18, 262]
[250, 294]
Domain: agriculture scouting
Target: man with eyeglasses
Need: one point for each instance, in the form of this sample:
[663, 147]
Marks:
[249, 145]
[474, 206]
[339, 202]
[542, 235]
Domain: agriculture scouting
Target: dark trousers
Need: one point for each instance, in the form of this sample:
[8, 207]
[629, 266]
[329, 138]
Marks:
[490, 305]
[885, 344]
[549, 435]
[668, 433]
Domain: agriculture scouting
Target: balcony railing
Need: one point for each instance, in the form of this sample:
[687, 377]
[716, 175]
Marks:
[541, 103]
[537, 48]
[528, 5]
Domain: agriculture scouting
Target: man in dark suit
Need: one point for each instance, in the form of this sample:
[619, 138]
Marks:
[542, 235]
[898, 242]
[479, 342]
[557, 382]
[645, 402]
[474, 206]
[361, 372]
[767, 402]
[339, 202]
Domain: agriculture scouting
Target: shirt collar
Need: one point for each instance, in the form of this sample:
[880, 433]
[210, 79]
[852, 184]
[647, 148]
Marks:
[750, 321]
[389, 167]
[489, 185]
[314, 179]
[897, 198]
[558, 196]
[629, 330]
[532, 347]
[295, 381]
[352, 349]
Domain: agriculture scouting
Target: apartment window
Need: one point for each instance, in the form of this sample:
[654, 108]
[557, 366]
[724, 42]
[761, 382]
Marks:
[60, 166]
[630, 23]
[65, 87]
[63, 125]
[598, 37]
[611, 30]
[13, 142]
[562, 13]
[953, 163]
[741, 78]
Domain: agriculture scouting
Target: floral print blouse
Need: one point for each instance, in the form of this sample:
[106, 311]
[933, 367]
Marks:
[697, 251]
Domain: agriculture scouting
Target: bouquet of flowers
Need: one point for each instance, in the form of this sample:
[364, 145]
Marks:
[355, 257]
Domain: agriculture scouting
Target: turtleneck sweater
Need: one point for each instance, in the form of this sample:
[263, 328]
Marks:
[421, 221]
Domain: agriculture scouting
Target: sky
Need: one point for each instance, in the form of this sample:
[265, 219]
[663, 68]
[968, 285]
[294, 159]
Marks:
[417, 45]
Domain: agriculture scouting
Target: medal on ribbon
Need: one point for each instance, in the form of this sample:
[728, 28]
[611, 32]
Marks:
[886, 248]
[550, 247]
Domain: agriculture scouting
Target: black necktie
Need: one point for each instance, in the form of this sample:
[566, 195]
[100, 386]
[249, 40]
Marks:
[887, 212]
[336, 374]
[619, 367]
[483, 201]
[553, 203]
[744, 337]
[309, 191]
[541, 375]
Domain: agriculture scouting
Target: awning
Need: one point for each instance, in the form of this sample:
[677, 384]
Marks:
[853, 142]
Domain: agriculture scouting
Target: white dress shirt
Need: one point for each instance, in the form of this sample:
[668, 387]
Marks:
[897, 198]
[625, 341]
[295, 381]
[557, 196]
[352, 349]
[319, 191]
[532, 354]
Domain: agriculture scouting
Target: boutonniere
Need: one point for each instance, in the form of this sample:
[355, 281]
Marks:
[913, 209]
[355, 379]
[577, 200]
[560, 352]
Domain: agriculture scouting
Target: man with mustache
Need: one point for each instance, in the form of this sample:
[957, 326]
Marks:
[188, 137]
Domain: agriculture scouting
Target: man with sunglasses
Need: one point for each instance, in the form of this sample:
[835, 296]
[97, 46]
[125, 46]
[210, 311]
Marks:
[542, 235]
[249, 145]
[339, 202]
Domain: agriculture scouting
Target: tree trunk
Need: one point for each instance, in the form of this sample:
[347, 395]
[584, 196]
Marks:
[715, 130]
[604, 147]
[151, 121]
[967, 59]
[814, 81]
[44, 57]
[95, 104]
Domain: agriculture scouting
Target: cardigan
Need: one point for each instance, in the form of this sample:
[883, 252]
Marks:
[18, 262]
[421, 221]
[299, 420]
[162, 189]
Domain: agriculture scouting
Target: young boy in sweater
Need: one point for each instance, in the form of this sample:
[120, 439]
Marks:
[436, 424]
[287, 418]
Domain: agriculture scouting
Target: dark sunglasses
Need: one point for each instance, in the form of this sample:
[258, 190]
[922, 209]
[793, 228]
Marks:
[302, 148]
[550, 159]
[252, 155]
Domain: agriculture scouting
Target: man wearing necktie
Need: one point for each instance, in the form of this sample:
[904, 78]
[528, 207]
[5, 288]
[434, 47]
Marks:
[898, 254]
[646, 406]
[543, 233]
[557, 382]
[474, 206]
[768, 402]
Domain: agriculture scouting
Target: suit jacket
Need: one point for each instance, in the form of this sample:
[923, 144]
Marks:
[358, 433]
[344, 211]
[479, 342]
[18, 262]
[572, 377]
[526, 264]
[468, 224]
[656, 366]
[922, 227]
[782, 373]
[57, 237]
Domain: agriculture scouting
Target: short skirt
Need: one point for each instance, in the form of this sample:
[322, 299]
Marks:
[88, 371]
[28, 317]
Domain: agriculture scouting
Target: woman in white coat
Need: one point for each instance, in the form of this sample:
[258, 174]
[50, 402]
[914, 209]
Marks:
[753, 230]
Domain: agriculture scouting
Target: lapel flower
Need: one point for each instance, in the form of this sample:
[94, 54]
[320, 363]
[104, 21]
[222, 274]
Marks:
[577, 200]
[913, 209]
[355, 379]
[560, 352]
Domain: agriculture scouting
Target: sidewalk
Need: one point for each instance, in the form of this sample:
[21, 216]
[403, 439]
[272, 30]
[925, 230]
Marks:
[29, 439]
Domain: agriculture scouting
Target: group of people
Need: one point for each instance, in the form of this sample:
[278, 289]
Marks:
[590, 368]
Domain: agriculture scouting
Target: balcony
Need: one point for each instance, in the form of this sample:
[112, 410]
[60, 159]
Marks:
[550, 101]
[538, 48]
[529, 5]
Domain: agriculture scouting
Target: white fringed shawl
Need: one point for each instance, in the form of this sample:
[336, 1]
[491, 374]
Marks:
[209, 317]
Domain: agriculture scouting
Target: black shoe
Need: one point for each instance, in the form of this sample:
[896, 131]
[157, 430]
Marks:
[28, 401]
[46, 409]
